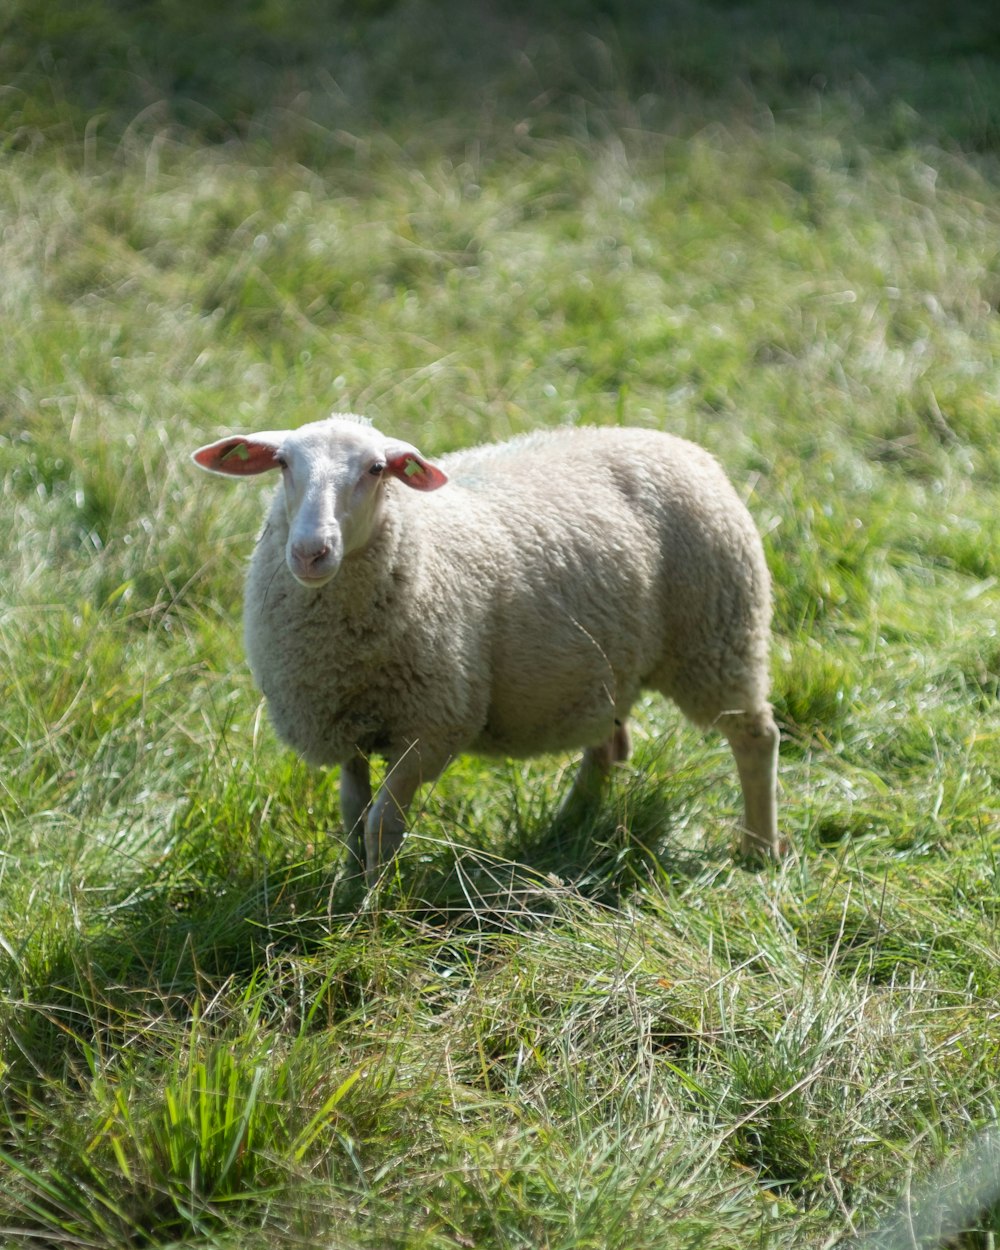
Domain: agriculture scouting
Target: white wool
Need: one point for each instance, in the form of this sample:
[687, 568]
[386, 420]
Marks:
[521, 608]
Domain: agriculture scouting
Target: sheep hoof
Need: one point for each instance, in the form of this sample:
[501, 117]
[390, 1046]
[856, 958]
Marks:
[756, 852]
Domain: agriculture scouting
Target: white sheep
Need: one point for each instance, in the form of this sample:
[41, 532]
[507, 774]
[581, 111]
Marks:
[519, 609]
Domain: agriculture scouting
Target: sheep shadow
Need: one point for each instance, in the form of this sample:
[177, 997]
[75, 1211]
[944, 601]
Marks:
[168, 941]
[636, 837]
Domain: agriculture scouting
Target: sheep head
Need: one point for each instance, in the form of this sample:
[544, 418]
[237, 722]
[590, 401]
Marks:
[333, 478]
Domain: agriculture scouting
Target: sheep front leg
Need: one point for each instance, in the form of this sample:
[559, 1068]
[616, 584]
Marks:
[754, 742]
[595, 766]
[385, 825]
[355, 800]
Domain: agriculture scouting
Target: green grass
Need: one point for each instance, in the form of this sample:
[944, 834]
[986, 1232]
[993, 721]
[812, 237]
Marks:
[775, 232]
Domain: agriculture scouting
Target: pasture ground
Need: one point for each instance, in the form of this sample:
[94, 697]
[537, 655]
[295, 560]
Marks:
[773, 229]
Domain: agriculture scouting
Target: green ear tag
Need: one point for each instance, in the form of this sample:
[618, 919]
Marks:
[240, 450]
[412, 468]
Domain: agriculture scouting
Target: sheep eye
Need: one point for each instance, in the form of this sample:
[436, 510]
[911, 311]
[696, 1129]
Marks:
[377, 468]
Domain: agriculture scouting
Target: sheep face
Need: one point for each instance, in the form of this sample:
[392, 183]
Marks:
[333, 480]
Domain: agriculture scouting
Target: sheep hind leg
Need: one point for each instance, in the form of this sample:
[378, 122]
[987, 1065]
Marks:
[754, 743]
[595, 766]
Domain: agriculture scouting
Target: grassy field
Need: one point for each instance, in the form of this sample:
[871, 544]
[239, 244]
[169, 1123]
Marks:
[774, 231]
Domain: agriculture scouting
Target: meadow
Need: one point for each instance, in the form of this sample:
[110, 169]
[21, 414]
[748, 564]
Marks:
[774, 230]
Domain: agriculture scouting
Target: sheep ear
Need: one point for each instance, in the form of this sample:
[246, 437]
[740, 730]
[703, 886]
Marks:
[410, 467]
[238, 456]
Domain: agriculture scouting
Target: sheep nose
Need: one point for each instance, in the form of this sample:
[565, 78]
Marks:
[307, 555]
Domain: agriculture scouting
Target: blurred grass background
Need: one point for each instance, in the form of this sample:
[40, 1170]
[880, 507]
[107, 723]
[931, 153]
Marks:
[925, 69]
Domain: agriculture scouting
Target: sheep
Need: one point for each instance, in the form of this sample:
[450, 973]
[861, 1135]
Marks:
[511, 599]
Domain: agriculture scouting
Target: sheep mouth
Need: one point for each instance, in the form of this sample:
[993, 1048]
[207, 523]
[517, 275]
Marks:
[312, 578]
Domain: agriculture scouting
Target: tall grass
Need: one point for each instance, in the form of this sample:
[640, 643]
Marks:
[536, 1035]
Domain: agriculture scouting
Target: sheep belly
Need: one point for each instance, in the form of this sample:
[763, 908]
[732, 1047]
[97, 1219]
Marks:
[556, 689]
[568, 721]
